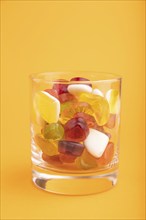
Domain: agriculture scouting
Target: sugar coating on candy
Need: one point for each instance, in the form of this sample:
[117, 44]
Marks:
[111, 122]
[47, 106]
[96, 142]
[53, 131]
[82, 79]
[77, 89]
[67, 158]
[52, 160]
[76, 129]
[60, 87]
[97, 92]
[70, 147]
[99, 105]
[86, 161]
[49, 147]
[112, 96]
[107, 156]
[65, 97]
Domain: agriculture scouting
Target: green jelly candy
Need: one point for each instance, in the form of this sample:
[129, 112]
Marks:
[53, 131]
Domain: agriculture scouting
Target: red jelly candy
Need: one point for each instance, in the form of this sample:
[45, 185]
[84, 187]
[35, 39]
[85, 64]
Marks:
[90, 120]
[76, 129]
[53, 160]
[81, 79]
[60, 87]
[52, 92]
[69, 147]
[65, 97]
[107, 156]
[67, 158]
[111, 122]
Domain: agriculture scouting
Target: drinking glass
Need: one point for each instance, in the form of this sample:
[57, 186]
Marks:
[75, 121]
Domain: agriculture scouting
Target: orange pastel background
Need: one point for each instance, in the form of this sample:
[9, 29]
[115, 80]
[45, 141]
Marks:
[39, 36]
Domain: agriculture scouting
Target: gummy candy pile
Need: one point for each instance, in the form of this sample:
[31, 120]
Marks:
[75, 117]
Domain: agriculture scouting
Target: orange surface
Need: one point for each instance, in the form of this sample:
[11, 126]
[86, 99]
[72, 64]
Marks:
[40, 36]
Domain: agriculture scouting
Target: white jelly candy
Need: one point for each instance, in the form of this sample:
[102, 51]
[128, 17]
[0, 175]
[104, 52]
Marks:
[97, 92]
[96, 142]
[77, 89]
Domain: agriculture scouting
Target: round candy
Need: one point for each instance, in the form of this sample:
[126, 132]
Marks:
[71, 110]
[49, 147]
[96, 142]
[107, 155]
[99, 105]
[76, 129]
[112, 96]
[67, 158]
[53, 131]
[47, 106]
[77, 89]
[86, 161]
[81, 79]
[97, 92]
[60, 87]
[69, 147]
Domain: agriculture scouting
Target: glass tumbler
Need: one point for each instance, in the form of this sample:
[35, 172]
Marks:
[75, 120]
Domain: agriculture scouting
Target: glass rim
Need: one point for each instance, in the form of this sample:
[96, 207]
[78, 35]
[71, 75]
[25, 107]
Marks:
[110, 76]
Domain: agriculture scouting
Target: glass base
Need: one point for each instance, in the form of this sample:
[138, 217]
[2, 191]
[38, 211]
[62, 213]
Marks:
[74, 184]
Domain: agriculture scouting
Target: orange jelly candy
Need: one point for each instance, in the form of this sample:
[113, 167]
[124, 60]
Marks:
[107, 156]
[111, 121]
[53, 160]
[67, 158]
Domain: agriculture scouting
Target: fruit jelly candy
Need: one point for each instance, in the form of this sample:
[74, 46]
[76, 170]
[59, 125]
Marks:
[66, 105]
[90, 120]
[99, 105]
[60, 87]
[111, 122]
[64, 97]
[52, 92]
[112, 96]
[107, 156]
[97, 92]
[67, 158]
[86, 161]
[77, 89]
[76, 129]
[96, 142]
[49, 147]
[81, 79]
[53, 131]
[70, 111]
[69, 147]
[52, 160]
[47, 106]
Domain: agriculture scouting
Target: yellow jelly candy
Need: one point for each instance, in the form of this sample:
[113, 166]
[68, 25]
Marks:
[99, 105]
[71, 110]
[112, 97]
[48, 106]
[86, 161]
[48, 147]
